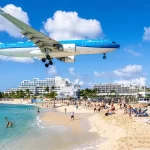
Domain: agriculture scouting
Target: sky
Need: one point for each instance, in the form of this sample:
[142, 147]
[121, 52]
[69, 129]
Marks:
[125, 22]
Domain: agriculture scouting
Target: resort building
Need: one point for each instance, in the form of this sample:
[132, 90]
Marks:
[62, 86]
[120, 89]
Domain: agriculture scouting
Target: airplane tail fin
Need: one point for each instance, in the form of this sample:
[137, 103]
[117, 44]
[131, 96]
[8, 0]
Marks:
[1, 11]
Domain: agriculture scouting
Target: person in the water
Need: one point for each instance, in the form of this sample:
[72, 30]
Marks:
[9, 123]
[38, 110]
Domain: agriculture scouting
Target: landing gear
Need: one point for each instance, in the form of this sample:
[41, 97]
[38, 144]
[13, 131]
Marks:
[104, 57]
[49, 61]
[48, 57]
[46, 65]
[43, 60]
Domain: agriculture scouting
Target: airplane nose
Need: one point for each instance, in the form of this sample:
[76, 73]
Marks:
[118, 45]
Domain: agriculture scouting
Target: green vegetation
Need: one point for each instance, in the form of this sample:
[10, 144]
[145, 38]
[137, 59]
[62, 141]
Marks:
[52, 94]
[18, 94]
[1, 94]
[89, 93]
[27, 94]
[47, 89]
[113, 93]
[52, 88]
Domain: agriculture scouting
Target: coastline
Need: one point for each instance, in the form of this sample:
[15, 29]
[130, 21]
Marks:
[114, 132]
[18, 101]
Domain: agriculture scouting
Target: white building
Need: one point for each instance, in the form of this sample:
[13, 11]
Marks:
[37, 86]
[119, 89]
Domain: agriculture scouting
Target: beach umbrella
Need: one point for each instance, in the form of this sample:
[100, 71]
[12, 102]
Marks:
[140, 105]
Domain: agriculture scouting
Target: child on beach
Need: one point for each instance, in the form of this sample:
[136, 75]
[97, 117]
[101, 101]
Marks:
[72, 116]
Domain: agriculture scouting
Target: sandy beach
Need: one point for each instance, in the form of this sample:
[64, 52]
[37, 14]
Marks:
[120, 132]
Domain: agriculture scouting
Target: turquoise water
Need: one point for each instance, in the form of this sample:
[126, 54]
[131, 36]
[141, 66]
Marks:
[30, 133]
[22, 118]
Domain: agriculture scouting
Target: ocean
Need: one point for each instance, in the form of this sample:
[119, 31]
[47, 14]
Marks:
[22, 118]
[30, 133]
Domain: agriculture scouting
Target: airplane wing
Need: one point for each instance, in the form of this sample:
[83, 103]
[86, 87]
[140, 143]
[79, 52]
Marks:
[45, 43]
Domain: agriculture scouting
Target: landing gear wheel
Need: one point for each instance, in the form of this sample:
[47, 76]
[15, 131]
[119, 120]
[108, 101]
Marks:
[43, 60]
[46, 65]
[48, 57]
[104, 57]
[50, 62]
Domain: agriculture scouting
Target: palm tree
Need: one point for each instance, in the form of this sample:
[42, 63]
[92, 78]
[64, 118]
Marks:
[20, 94]
[27, 93]
[6, 95]
[1, 94]
[94, 92]
[12, 95]
[112, 91]
[52, 88]
[47, 89]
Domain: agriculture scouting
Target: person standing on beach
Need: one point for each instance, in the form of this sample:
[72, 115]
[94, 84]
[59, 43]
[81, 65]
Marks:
[130, 111]
[95, 109]
[65, 110]
[72, 116]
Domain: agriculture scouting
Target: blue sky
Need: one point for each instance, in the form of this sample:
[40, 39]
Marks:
[120, 21]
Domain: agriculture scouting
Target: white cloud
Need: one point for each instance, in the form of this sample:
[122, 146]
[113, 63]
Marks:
[137, 81]
[17, 59]
[131, 74]
[78, 82]
[146, 36]
[8, 27]
[129, 71]
[52, 71]
[68, 25]
[134, 53]
[71, 71]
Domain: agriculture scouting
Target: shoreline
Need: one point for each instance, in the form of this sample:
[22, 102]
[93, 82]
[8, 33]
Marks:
[14, 102]
[115, 132]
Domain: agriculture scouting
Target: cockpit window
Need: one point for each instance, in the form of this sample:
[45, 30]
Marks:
[113, 42]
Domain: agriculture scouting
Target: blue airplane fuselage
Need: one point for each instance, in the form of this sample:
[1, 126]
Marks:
[71, 48]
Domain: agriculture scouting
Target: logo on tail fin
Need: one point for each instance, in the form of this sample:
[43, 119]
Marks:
[1, 11]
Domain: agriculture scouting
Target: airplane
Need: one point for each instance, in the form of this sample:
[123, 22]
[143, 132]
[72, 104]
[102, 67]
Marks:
[45, 48]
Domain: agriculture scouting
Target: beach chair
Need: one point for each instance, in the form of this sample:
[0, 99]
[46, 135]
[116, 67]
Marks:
[143, 114]
[135, 112]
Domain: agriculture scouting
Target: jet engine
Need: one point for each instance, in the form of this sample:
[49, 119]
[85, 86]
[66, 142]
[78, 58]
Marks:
[69, 59]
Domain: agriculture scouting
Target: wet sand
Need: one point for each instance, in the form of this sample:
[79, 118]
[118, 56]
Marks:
[79, 124]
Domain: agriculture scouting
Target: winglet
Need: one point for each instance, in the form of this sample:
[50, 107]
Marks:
[1, 11]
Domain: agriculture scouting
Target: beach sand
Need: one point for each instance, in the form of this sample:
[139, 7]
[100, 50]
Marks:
[120, 132]
[62, 119]
[15, 101]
